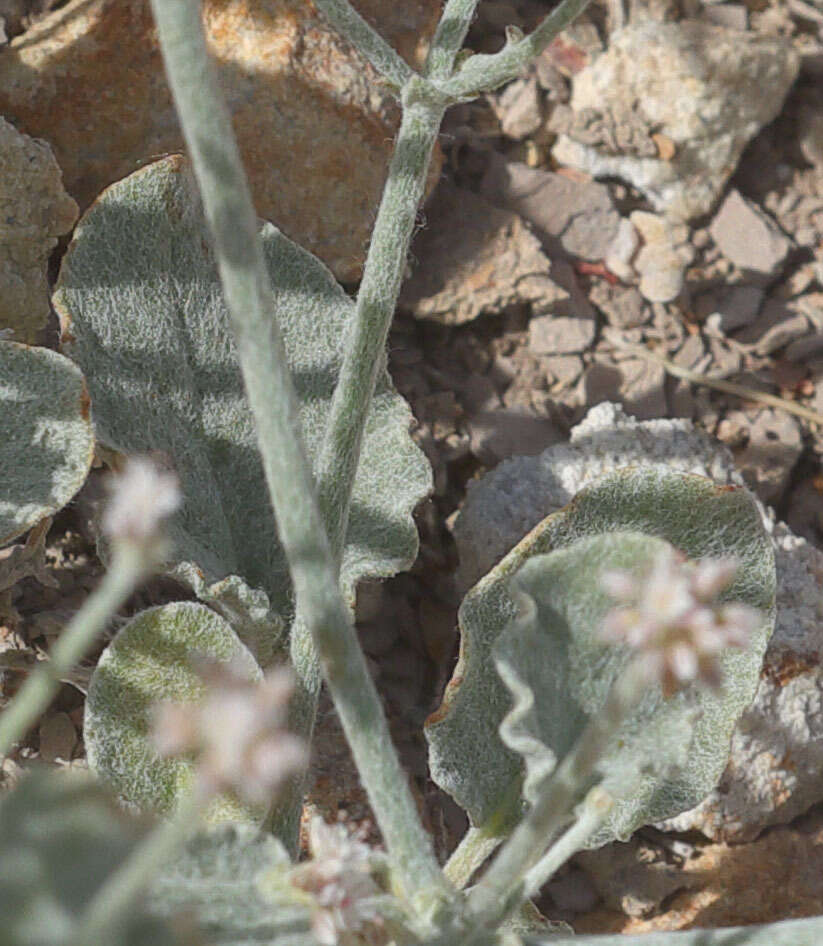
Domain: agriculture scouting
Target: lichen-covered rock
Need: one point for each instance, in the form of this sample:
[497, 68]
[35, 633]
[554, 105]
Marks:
[669, 107]
[776, 756]
[314, 123]
[35, 210]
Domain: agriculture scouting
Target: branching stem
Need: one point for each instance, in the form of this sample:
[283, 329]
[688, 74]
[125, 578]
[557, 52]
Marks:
[312, 562]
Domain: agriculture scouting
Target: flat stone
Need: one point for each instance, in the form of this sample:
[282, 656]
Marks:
[772, 443]
[314, 123]
[663, 257]
[559, 335]
[475, 259]
[35, 210]
[622, 250]
[748, 237]
[638, 384]
[623, 306]
[779, 324]
[518, 108]
[705, 88]
[498, 434]
[576, 217]
[776, 757]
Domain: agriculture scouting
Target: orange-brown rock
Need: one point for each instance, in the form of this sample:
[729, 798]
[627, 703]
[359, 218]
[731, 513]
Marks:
[314, 123]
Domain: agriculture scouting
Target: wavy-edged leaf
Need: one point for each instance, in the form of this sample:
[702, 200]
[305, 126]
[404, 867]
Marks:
[46, 435]
[61, 837]
[670, 752]
[467, 757]
[219, 875]
[142, 313]
[150, 661]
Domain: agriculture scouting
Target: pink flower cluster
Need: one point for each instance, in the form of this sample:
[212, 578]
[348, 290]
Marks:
[672, 618]
[236, 732]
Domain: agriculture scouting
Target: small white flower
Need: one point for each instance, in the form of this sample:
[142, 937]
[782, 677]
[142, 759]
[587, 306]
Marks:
[237, 733]
[340, 881]
[671, 617]
[141, 497]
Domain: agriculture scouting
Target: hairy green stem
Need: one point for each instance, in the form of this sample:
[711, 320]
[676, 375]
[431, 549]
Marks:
[129, 567]
[501, 887]
[312, 563]
[366, 40]
[482, 72]
[363, 360]
[475, 847]
[121, 892]
[448, 37]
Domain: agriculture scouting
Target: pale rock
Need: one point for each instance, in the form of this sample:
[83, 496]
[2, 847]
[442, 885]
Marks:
[574, 216]
[35, 210]
[734, 16]
[622, 249]
[560, 335]
[773, 445]
[637, 383]
[517, 108]
[498, 434]
[776, 758]
[779, 324]
[662, 259]
[748, 237]
[707, 89]
[623, 306]
[474, 259]
[562, 370]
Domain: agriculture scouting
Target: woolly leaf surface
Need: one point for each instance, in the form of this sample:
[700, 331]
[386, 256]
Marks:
[150, 661]
[218, 876]
[467, 756]
[61, 838]
[46, 435]
[805, 932]
[143, 314]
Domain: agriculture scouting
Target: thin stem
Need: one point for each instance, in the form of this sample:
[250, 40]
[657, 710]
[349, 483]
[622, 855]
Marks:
[475, 847]
[482, 73]
[366, 40]
[129, 567]
[227, 202]
[495, 892]
[448, 37]
[595, 808]
[124, 888]
[363, 359]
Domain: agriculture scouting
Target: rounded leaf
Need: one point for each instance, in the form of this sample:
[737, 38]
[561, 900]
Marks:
[142, 313]
[467, 756]
[46, 435]
[149, 662]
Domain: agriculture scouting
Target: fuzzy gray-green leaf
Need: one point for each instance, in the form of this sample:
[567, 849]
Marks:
[46, 436]
[218, 876]
[143, 314]
[805, 932]
[150, 661]
[467, 755]
[61, 837]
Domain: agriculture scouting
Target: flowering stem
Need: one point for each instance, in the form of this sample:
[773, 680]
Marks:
[123, 889]
[312, 560]
[448, 38]
[482, 72]
[496, 892]
[129, 567]
[364, 358]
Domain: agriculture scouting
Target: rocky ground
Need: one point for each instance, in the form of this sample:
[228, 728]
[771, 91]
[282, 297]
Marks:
[637, 219]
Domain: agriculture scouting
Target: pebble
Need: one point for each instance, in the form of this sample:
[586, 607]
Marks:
[662, 259]
[749, 237]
